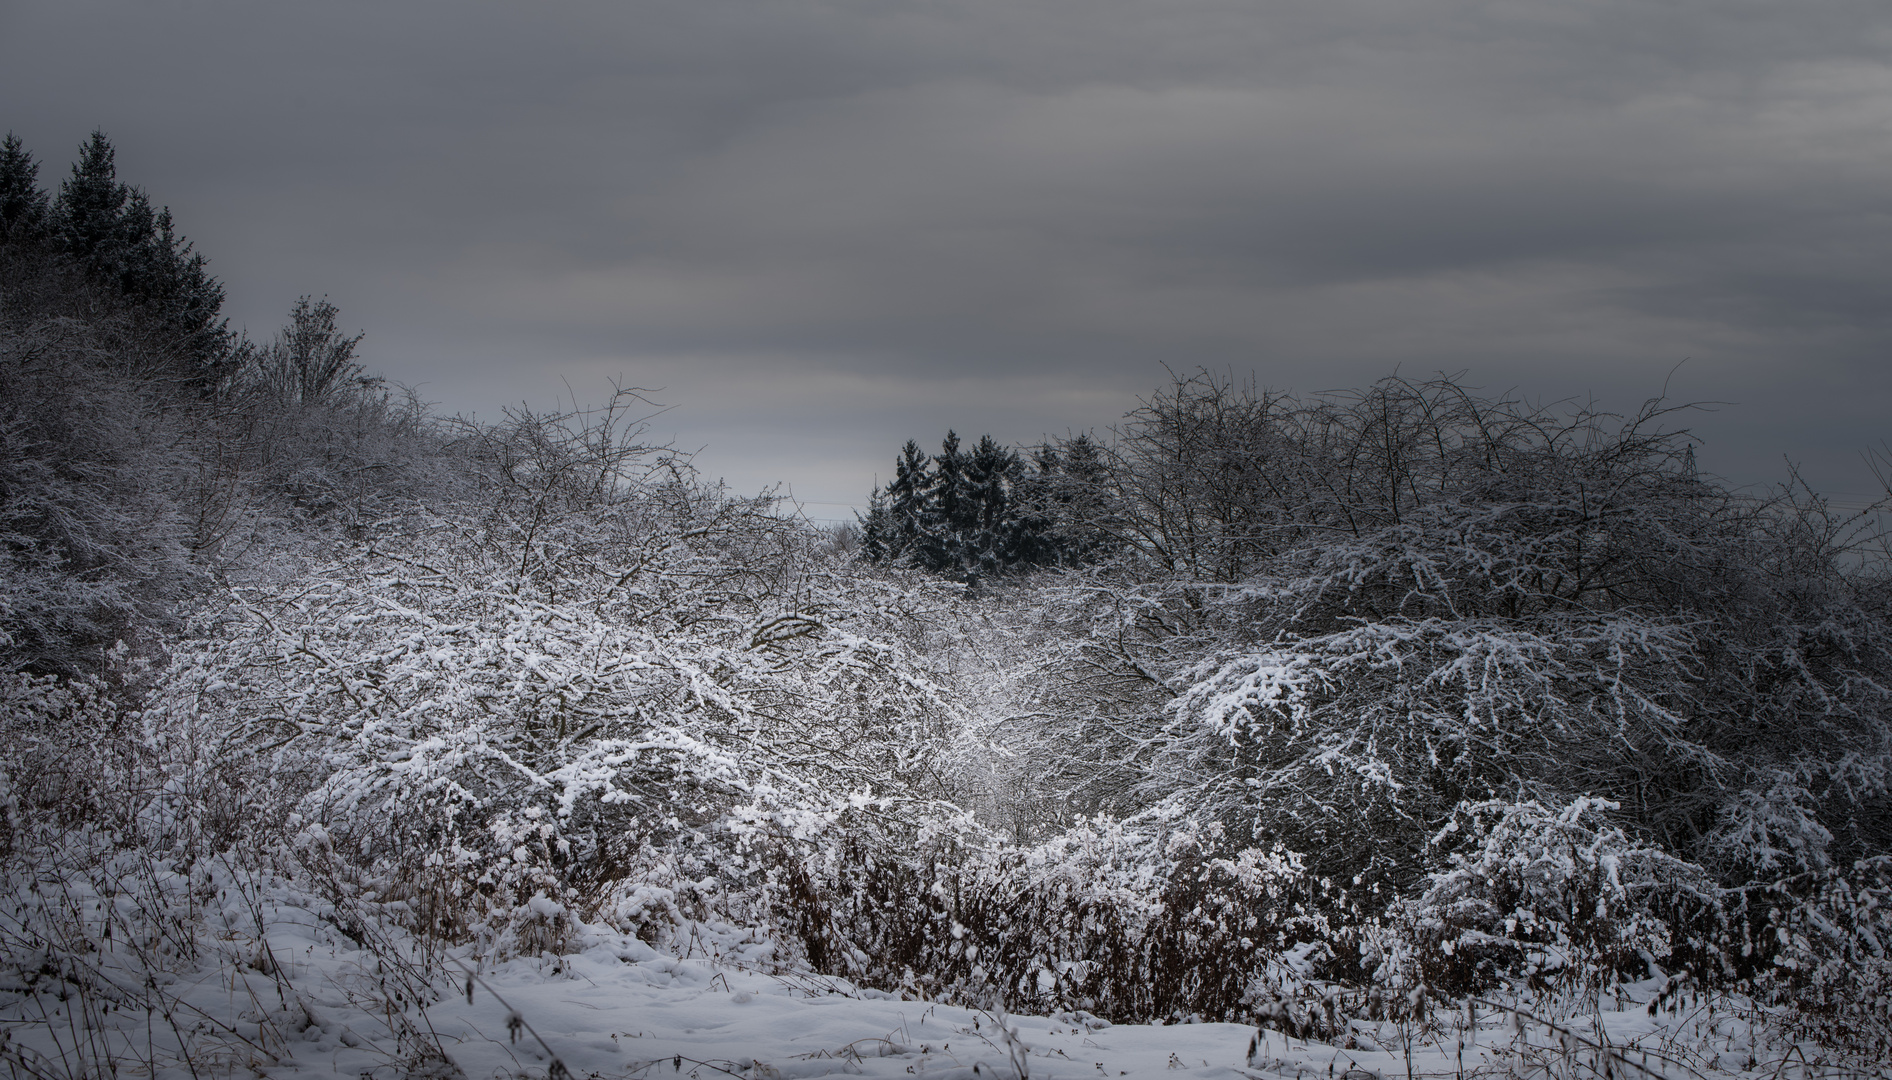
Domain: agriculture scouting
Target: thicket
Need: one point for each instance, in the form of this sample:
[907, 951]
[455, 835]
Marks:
[1354, 614]
[1535, 697]
[1307, 709]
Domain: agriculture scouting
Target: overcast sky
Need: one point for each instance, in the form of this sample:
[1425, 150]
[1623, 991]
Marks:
[824, 226]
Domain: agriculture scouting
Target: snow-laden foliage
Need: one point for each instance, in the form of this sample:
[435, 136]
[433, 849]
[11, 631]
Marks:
[1353, 716]
[494, 716]
[1819, 945]
[1383, 728]
[1126, 919]
[1345, 624]
[119, 844]
[96, 499]
[1548, 896]
[1344, 617]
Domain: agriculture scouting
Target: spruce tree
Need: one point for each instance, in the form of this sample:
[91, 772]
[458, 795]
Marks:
[1034, 509]
[132, 251]
[908, 501]
[24, 208]
[879, 536]
[935, 546]
[989, 541]
[32, 277]
[983, 513]
[949, 480]
[1075, 505]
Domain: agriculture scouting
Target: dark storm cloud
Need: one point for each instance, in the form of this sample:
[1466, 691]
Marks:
[824, 226]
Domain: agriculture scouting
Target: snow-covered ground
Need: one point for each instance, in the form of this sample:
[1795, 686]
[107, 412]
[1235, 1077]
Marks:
[620, 1008]
[300, 996]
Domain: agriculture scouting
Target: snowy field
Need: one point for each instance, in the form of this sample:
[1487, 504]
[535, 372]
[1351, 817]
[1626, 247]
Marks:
[621, 1009]
[302, 996]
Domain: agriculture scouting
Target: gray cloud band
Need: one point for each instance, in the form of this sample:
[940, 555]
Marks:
[826, 226]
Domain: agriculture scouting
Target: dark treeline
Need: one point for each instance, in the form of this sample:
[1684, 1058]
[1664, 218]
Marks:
[143, 442]
[986, 512]
[98, 249]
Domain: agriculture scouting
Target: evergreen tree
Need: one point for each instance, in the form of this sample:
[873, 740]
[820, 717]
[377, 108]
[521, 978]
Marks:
[907, 501]
[1034, 509]
[949, 480]
[1066, 505]
[988, 537]
[879, 534]
[24, 209]
[989, 475]
[32, 277]
[132, 251]
[981, 513]
[939, 540]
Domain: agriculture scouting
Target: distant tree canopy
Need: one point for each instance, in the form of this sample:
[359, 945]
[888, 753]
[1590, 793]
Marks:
[100, 247]
[987, 512]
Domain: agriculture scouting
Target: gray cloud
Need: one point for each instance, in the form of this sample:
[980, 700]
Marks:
[826, 226]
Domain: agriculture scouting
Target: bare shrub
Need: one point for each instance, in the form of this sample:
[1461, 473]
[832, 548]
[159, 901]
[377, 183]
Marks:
[94, 545]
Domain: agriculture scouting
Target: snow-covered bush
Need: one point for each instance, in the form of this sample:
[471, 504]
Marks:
[1138, 919]
[1380, 729]
[1439, 696]
[122, 840]
[1549, 896]
[96, 528]
[1347, 623]
[1820, 943]
[490, 717]
[1337, 619]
